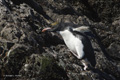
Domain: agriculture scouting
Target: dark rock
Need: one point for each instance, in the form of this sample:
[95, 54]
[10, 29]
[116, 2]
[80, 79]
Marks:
[42, 68]
[114, 51]
[106, 10]
[13, 60]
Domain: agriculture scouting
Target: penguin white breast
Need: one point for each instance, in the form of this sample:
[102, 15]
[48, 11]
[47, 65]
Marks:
[73, 43]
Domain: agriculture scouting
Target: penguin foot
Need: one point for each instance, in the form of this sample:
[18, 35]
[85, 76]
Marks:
[85, 68]
[86, 65]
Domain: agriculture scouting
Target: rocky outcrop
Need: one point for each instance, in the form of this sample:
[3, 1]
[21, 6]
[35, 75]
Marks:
[27, 53]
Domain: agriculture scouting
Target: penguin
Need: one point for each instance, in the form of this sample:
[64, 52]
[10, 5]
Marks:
[77, 42]
[83, 29]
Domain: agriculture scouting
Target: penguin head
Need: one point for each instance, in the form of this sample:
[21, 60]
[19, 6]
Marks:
[59, 27]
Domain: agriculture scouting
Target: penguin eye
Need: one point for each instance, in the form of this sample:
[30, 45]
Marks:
[70, 29]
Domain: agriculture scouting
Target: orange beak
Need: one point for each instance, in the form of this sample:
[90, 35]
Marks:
[45, 29]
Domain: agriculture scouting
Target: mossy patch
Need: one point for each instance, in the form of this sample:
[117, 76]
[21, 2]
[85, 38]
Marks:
[43, 67]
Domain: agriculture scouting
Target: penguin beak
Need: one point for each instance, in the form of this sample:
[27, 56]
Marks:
[46, 29]
[53, 29]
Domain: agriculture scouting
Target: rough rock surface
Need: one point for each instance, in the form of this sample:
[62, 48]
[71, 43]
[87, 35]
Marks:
[28, 54]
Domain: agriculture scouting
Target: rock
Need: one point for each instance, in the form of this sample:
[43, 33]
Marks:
[12, 34]
[13, 60]
[113, 50]
[42, 68]
[107, 10]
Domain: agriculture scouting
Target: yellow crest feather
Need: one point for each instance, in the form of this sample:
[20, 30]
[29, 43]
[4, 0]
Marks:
[55, 23]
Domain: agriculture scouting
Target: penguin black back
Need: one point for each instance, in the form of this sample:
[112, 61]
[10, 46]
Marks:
[88, 49]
